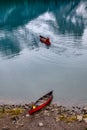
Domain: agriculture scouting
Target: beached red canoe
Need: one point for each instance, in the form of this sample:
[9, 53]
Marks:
[45, 40]
[42, 102]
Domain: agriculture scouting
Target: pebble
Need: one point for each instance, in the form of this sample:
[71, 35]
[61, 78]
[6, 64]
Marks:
[85, 120]
[46, 113]
[57, 119]
[52, 110]
[48, 108]
[27, 115]
[40, 124]
[14, 118]
[5, 128]
[79, 117]
[85, 110]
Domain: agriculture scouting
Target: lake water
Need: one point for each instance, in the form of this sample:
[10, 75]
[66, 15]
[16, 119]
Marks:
[28, 68]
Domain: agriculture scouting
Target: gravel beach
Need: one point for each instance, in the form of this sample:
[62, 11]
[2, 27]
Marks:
[16, 117]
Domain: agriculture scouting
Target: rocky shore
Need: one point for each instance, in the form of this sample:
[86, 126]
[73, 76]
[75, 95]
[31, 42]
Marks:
[52, 117]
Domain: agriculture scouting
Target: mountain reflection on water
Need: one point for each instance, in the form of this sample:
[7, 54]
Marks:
[29, 68]
[20, 21]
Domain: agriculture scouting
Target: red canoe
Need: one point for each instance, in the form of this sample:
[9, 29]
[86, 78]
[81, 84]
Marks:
[42, 102]
[45, 40]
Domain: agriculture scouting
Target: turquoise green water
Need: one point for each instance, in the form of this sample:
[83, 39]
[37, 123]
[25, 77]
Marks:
[28, 68]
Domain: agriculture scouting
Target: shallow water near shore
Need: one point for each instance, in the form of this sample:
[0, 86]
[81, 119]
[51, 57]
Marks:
[28, 68]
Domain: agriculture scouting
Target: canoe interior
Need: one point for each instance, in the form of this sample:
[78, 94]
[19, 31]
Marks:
[44, 98]
[41, 102]
[42, 37]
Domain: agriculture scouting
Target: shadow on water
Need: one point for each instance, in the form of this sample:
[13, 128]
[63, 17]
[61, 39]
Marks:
[16, 14]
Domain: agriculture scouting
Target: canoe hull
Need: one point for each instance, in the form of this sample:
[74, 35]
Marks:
[31, 111]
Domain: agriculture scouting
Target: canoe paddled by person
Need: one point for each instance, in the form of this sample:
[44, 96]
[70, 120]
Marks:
[45, 40]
